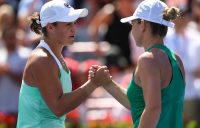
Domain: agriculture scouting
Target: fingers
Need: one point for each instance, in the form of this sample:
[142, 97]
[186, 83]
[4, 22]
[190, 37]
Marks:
[103, 72]
[102, 68]
[95, 66]
[99, 71]
[108, 73]
[92, 71]
[99, 75]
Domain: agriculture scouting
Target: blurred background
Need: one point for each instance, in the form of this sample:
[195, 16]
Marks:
[101, 39]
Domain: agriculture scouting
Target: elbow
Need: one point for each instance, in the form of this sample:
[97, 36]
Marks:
[58, 113]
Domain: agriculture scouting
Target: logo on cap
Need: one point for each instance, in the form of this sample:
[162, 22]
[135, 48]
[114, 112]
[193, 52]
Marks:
[67, 5]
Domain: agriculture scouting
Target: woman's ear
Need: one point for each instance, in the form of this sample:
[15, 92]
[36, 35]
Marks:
[50, 28]
[143, 25]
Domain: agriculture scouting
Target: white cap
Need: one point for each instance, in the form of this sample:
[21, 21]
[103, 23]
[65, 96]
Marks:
[60, 11]
[150, 10]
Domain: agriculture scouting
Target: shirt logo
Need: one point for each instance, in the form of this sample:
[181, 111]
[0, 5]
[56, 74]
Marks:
[67, 5]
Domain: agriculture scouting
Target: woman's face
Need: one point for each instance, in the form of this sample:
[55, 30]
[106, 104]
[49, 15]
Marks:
[65, 32]
[136, 32]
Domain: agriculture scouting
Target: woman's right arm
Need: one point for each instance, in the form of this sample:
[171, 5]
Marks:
[102, 77]
[45, 73]
[119, 93]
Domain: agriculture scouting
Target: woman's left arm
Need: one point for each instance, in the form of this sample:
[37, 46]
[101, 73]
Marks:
[149, 74]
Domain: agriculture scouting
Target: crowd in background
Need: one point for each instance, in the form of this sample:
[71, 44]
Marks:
[101, 39]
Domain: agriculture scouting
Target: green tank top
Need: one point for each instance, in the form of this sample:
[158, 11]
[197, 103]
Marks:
[33, 111]
[172, 97]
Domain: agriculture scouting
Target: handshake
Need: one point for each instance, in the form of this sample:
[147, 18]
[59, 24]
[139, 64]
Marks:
[99, 75]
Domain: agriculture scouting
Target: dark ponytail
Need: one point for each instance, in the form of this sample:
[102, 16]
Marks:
[34, 23]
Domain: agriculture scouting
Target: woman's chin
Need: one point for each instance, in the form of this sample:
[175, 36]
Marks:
[69, 42]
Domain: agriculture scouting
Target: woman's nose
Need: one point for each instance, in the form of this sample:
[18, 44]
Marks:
[73, 28]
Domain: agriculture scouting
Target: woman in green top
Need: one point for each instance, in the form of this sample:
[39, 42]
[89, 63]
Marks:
[46, 92]
[156, 92]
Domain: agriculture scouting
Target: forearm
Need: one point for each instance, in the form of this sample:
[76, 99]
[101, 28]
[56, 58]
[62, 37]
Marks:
[70, 101]
[119, 93]
[149, 118]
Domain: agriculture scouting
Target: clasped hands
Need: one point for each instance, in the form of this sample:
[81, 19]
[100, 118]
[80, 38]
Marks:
[99, 75]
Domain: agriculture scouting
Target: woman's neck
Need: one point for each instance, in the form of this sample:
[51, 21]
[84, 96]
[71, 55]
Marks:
[55, 47]
[152, 41]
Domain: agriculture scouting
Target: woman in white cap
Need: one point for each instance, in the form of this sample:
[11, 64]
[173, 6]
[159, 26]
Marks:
[156, 92]
[46, 91]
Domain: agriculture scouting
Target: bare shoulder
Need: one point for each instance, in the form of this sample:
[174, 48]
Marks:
[38, 65]
[147, 60]
[40, 59]
[147, 66]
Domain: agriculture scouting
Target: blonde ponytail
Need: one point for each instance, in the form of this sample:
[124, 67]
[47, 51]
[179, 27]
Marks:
[171, 13]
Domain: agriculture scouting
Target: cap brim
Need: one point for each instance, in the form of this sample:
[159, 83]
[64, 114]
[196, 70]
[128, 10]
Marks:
[75, 14]
[83, 12]
[78, 13]
[128, 19]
